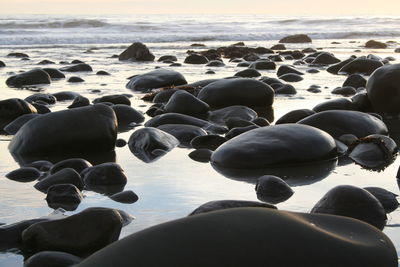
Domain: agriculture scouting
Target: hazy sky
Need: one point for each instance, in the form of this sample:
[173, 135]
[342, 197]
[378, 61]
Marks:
[293, 7]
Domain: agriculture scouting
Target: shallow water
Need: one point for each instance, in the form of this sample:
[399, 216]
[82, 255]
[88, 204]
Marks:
[174, 185]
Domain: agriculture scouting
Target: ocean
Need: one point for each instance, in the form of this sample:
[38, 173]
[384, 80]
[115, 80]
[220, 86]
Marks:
[175, 185]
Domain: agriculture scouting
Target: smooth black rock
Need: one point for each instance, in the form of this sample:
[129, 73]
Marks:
[355, 80]
[354, 202]
[196, 59]
[126, 197]
[295, 116]
[335, 68]
[92, 128]
[383, 89]
[41, 165]
[239, 91]
[80, 67]
[220, 116]
[75, 79]
[54, 73]
[345, 91]
[215, 63]
[46, 62]
[64, 176]
[248, 73]
[186, 103]
[65, 196]
[286, 69]
[137, 52]
[79, 101]
[239, 130]
[211, 142]
[286, 89]
[339, 122]
[296, 38]
[361, 66]
[115, 99]
[167, 57]
[325, 59]
[120, 143]
[40, 97]
[237, 122]
[260, 121]
[24, 174]
[336, 104]
[81, 234]
[77, 164]
[155, 79]
[127, 115]
[263, 65]
[2, 64]
[270, 81]
[17, 55]
[106, 174]
[218, 205]
[273, 189]
[184, 133]
[385, 197]
[201, 155]
[66, 95]
[291, 77]
[103, 73]
[13, 127]
[52, 259]
[149, 144]
[375, 44]
[32, 77]
[278, 47]
[11, 109]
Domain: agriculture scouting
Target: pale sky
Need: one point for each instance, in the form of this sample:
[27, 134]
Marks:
[280, 7]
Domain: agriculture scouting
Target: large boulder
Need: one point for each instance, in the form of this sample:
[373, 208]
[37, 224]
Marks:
[340, 122]
[137, 52]
[361, 65]
[258, 148]
[296, 38]
[86, 129]
[11, 109]
[252, 237]
[155, 79]
[383, 89]
[240, 91]
[32, 77]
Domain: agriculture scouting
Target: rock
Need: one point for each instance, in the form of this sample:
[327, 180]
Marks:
[41, 108]
[355, 80]
[156, 79]
[120, 143]
[296, 38]
[270, 81]
[137, 52]
[24, 174]
[75, 79]
[260, 121]
[13, 108]
[80, 67]
[383, 88]
[101, 227]
[244, 64]
[65, 95]
[354, 202]
[104, 175]
[345, 91]
[65, 196]
[386, 198]
[263, 65]
[115, 99]
[239, 130]
[375, 44]
[397, 50]
[295, 116]
[286, 69]
[17, 55]
[361, 66]
[64, 176]
[325, 59]
[339, 122]
[321, 240]
[211, 142]
[79, 101]
[253, 149]
[240, 91]
[286, 89]
[10, 234]
[186, 103]
[51, 259]
[13, 127]
[167, 58]
[32, 77]
[126, 115]
[54, 73]
[278, 47]
[273, 189]
[94, 129]
[76, 164]
[103, 73]
[126, 197]
[336, 104]
[219, 205]
[248, 73]
[176, 118]
[237, 122]
[196, 59]
[148, 144]
[334, 69]
[46, 62]
[184, 133]
[215, 63]
[2, 64]
[47, 99]
[373, 152]
[312, 71]
[275, 58]
[291, 77]
[220, 116]
[201, 155]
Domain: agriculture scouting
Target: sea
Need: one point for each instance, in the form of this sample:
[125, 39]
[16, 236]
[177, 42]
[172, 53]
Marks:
[173, 186]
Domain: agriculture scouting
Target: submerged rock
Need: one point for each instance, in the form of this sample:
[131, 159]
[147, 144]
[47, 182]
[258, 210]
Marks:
[273, 189]
[65, 196]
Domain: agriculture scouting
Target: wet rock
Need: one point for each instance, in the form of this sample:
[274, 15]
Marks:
[120, 143]
[312, 71]
[17, 55]
[295, 116]
[383, 89]
[244, 64]
[273, 189]
[80, 67]
[291, 77]
[2, 64]
[240, 91]
[215, 63]
[65, 95]
[248, 73]
[385, 197]
[186, 103]
[40, 97]
[339, 122]
[325, 59]
[260, 121]
[354, 202]
[237, 122]
[356, 81]
[184, 133]
[196, 59]
[46, 62]
[41, 165]
[270, 81]
[148, 144]
[297, 145]
[201, 155]
[275, 58]
[54, 73]
[13, 127]
[32, 77]
[361, 66]
[127, 115]
[75, 79]
[263, 65]
[155, 79]
[229, 204]
[101, 227]
[64, 176]
[335, 68]
[94, 129]
[345, 91]
[220, 116]
[286, 69]
[65, 196]
[79, 101]
[296, 38]
[103, 73]
[106, 174]
[167, 58]
[24, 174]
[115, 99]
[239, 130]
[51, 259]
[336, 104]
[77, 164]
[278, 47]
[126, 197]
[375, 44]
[211, 142]
[137, 52]
[11, 109]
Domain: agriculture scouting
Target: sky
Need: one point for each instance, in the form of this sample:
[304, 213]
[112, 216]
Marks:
[285, 7]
